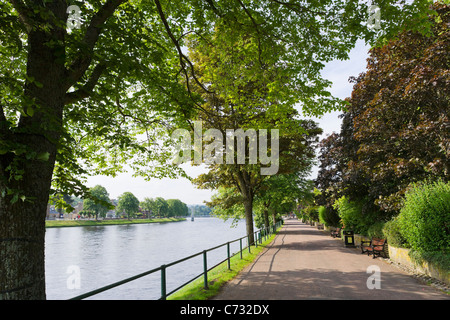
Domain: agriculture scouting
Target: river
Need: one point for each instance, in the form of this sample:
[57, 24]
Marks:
[81, 259]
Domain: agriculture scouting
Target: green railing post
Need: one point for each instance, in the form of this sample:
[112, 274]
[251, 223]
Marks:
[163, 282]
[228, 255]
[248, 243]
[256, 239]
[205, 270]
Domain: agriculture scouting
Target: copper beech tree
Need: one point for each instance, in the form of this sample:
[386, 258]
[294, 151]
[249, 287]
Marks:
[396, 128]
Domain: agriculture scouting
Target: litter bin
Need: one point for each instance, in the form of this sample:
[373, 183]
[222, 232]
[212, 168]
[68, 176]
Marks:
[349, 238]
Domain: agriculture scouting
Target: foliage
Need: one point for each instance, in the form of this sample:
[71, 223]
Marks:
[311, 213]
[107, 222]
[199, 210]
[357, 217]
[439, 259]
[393, 233]
[177, 208]
[425, 216]
[394, 128]
[398, 113]
[147, 205]
[328, 217]
[99, 203]
[128, 204]
[248, 94]
[376, 230]
[226, 203]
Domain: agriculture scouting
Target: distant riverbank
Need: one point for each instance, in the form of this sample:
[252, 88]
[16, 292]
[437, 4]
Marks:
[83, 223]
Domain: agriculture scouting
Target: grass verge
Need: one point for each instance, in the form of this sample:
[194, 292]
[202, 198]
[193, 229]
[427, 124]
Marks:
[220, 275]
[82, 223]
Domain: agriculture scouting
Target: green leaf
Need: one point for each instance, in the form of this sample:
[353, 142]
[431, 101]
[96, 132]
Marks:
[43, 156]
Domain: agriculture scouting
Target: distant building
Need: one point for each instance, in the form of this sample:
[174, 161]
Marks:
[52, 213]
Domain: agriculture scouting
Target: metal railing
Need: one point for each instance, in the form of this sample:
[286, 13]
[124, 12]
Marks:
[259, 236]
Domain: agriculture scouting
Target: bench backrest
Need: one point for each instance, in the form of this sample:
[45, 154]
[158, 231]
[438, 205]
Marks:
[378, 243]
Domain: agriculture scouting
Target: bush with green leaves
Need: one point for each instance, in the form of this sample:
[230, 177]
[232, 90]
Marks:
[392, 232]
[328, 217]
[425, 217]
[376, 230]
[311, 213]
[355, 216]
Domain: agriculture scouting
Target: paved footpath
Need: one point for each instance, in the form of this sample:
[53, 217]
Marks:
[305, 263]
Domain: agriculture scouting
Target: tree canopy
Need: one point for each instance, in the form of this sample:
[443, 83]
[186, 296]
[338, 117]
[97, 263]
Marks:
[395, 130]
[99, 202]
[128, 204]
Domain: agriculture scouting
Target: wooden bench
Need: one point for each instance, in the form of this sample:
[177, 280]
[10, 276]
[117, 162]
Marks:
[320, 226]
[374, 247]
[336, 233]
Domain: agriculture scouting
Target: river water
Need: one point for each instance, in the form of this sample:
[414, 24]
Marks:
[81, 259]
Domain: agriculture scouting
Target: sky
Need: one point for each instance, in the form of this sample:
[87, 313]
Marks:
[336, 71]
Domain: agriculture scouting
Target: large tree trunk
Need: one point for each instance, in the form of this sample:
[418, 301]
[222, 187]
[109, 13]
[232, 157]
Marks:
[245, 188]
[22, 220]
[248, 205]
[22, 236]
[266, 217]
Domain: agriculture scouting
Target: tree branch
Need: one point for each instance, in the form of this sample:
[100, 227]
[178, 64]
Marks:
[81, 64]
[88, 87]
[180, 52]
[257, 31]
[23, 12]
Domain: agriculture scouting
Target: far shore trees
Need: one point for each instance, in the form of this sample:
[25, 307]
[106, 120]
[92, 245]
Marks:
[128, 204]
[99, 203]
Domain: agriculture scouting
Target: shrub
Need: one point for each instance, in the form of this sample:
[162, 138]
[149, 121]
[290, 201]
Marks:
[350, 213]
[328, 217]
[356, 216]
[392, 232]
[376, 230]
[425, 217]
[311, 213]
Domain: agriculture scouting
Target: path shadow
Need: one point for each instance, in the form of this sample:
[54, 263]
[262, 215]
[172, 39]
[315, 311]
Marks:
[309, 284]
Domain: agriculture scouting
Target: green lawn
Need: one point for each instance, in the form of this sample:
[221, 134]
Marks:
[81, 223]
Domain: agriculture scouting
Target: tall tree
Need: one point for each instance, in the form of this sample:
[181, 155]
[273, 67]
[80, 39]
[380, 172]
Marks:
[177, 208]
[98, 203]
[147, 205]
[75, 104]
[161, 207]
[399, 116]
[128, 203]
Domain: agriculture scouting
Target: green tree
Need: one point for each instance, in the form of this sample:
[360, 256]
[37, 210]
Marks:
[161, 207]
[76, 103]
[98, 203]
[176, 208]
[147, 205]
[128, 203]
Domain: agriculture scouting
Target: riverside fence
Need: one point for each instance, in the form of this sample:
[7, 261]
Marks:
[259, 236]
